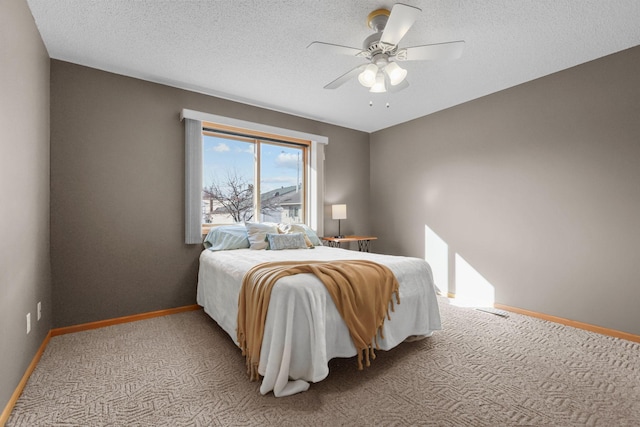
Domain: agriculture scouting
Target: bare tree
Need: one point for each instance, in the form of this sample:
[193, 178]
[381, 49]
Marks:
[234, 193]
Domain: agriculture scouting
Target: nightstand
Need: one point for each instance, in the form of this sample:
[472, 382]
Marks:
[363, 241]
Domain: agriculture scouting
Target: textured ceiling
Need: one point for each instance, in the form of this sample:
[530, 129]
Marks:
[255, 52]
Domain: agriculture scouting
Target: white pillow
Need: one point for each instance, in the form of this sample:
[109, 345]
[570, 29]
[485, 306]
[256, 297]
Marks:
[257, 233]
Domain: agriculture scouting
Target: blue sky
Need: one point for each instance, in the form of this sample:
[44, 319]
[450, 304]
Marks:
[279, 166]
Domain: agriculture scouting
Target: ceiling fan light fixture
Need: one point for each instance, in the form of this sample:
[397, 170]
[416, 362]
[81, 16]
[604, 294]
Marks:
[367, 78]
[379, 86]
[382, 73]
[396, 73]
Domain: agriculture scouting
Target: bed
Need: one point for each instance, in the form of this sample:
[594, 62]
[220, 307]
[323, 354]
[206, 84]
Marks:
[303, 328]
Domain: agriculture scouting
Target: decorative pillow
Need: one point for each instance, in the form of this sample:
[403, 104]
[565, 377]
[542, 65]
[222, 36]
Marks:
[226, 237]
[295, 228]
[257, 233]
[286, 241]
[312, 235]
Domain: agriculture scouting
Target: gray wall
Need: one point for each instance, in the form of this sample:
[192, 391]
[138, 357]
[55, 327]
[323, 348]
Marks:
[536, 187]
[24, 193]
[117, 190]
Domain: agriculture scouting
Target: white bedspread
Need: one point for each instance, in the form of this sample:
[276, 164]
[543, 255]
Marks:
[303, 328]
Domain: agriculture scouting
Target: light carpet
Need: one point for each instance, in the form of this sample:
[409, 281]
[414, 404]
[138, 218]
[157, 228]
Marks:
[480, 370]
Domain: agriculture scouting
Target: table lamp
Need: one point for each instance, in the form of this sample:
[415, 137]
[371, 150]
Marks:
[339, 212]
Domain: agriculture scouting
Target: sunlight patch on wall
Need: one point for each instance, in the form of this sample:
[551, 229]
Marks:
[436, 253]
[472, 289]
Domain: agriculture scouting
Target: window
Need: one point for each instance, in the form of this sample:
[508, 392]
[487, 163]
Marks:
[250, 176]
[267, 186]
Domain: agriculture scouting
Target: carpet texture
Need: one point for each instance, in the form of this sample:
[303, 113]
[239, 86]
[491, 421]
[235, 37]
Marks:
[480, 370]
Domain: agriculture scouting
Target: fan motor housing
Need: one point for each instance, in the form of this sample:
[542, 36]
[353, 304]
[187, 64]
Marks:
[372, 46]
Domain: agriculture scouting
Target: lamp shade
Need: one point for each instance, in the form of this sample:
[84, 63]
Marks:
[368, 77]
[395, 72]
[339, 211]
[378, 86]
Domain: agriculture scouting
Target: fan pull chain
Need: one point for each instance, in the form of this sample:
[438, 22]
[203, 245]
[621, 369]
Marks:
[371, 104]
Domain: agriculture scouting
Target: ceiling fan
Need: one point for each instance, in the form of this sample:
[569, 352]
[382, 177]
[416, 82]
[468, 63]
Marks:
[382, 73]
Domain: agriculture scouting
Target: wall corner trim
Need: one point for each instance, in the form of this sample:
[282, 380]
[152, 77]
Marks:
[124, 319]
[4, 417]
[573, 323]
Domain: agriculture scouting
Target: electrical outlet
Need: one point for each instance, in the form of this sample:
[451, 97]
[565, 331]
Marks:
[28, 322]
[39, 310]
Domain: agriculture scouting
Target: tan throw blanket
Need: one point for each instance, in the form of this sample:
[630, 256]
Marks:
[361, 290]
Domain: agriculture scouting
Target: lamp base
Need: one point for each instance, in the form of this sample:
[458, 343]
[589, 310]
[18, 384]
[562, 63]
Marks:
[340, 235]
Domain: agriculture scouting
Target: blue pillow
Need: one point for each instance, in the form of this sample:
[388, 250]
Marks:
[226, 237]
[311, 235]
[286, 241]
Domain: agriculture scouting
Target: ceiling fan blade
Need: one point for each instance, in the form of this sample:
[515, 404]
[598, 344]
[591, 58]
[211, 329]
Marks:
[401, 19]
[333, 48]
[345, 77]
[440, 51]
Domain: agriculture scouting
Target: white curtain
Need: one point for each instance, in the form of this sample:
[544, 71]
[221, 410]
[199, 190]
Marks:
[316, 188]
[193, 181]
